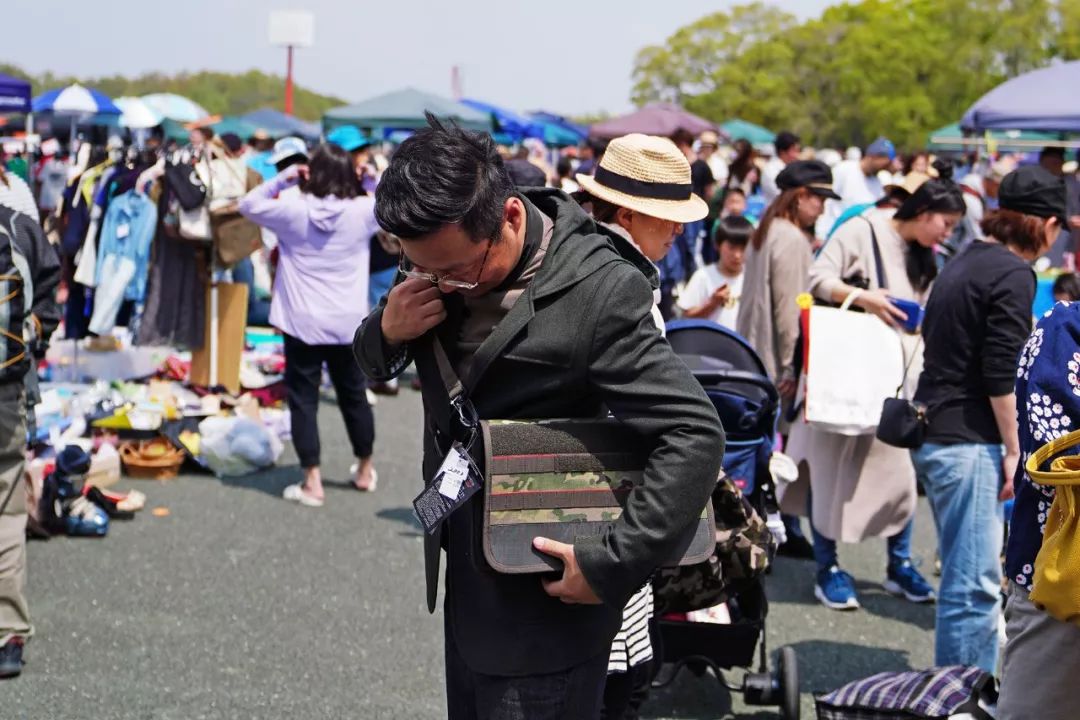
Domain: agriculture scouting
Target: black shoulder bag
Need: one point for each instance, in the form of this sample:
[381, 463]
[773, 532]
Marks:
[903, 422]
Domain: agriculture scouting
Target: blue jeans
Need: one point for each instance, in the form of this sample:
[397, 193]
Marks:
[258, 309]
[899, 546]
[962, 484]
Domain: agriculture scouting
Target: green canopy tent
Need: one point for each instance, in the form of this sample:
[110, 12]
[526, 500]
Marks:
[951, 139]
[404, 110]
[739, 129]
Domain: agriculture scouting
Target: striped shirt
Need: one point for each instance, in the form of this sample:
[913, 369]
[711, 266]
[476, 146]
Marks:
[631, 646]
[15, 194]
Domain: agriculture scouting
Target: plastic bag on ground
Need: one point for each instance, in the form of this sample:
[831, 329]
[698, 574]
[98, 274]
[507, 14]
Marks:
[232, 446]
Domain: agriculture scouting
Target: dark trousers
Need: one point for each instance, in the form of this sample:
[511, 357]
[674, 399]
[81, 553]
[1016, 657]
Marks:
[625, 693]
[572, 694]
[303, 375]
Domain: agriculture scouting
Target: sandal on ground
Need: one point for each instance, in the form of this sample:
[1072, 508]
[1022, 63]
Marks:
[296, 493]
[374, 478]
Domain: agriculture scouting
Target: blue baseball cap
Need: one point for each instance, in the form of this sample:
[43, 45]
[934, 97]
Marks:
[348, 137]
[882, 147]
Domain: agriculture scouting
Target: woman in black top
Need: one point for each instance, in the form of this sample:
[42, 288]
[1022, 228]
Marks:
[977, 320]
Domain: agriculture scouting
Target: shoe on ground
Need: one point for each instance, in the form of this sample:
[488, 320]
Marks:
[11, 658]
[387, 388]
[903, 580]
[797, 547]
[372, 399]
[835, 589]
[296, 493]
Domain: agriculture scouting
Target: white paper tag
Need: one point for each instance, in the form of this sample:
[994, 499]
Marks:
[122, 231]
[454, 470]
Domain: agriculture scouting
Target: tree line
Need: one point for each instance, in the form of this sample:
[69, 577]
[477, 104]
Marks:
[899, 68]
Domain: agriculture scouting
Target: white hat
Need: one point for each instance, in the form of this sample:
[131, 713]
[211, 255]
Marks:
[648, 174]
[286, 147]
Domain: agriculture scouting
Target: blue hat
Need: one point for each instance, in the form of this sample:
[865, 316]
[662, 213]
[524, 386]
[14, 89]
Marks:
[348, 137]
[882, 147]
[286, 147]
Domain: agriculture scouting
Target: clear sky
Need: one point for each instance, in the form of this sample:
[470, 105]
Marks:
[567, 56]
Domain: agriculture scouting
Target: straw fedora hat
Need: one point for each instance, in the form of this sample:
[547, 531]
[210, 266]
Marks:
[647, 174]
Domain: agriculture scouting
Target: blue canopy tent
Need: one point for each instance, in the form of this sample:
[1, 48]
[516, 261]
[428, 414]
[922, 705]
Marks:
[508, 122]
[561, 122]
[279, 124]
[515, 127]
[14, 95]
[1038, 100]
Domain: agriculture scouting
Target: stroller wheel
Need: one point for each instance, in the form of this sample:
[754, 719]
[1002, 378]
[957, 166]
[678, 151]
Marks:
[787, 673]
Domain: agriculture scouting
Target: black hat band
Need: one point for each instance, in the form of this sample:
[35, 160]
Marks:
[642, 188]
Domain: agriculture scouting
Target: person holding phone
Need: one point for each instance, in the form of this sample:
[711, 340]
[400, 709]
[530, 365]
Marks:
[859, 486]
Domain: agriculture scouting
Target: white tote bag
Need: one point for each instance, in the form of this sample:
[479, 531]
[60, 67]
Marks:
[854, 361]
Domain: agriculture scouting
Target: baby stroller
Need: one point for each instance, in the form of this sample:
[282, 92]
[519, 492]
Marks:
[748, 404]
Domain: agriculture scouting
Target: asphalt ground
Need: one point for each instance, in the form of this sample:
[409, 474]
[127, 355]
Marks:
[240, 605]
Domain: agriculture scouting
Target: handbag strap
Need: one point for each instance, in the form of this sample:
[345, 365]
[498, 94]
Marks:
[879, 266]
[1061, 472]
[908, 361]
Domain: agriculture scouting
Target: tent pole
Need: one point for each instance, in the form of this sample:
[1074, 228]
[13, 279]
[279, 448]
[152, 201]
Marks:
[213, 321]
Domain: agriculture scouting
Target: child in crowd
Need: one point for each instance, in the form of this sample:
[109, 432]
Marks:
[714, 290]
[1067, 287]
[734, 203]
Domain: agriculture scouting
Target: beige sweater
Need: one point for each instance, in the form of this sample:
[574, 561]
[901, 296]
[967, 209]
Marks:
[768, 315]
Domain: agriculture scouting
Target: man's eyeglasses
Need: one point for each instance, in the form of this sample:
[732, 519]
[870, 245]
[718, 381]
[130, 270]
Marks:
[406, 269]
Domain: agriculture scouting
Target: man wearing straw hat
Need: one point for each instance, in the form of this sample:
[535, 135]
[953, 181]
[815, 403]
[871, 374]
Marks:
[543, 316]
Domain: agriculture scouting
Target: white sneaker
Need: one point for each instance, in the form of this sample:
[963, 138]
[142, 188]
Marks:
[372, 398]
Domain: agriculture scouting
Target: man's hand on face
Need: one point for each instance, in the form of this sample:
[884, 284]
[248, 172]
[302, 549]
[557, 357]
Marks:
[572, 588]
[412, 308]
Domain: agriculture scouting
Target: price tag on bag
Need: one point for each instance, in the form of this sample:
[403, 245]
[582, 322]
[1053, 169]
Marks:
[456, 480]
[453, 471]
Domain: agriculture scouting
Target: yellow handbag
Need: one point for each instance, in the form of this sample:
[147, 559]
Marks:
[1056, 580]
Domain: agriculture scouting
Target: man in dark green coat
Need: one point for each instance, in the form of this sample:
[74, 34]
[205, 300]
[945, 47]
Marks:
[542, 315]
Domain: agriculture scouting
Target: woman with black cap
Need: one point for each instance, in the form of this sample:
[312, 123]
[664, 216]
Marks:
[775, 271]
[777, 263]
[861, 487]
[977, 322]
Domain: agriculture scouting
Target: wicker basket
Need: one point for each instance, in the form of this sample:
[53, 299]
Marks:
[155, 459]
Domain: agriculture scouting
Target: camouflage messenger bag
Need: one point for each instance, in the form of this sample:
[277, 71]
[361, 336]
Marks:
[564, 479]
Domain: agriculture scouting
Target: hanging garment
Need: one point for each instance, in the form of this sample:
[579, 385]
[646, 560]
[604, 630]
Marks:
[123, 257]
[175, 311]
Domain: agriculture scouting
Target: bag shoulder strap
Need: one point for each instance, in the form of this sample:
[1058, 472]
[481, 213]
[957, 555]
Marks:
[22, 266]
[1064, 470]
[879, 266]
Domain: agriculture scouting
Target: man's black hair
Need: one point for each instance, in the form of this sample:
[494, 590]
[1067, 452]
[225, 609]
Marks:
[440, 176]
[734, 229]
[331, 172]
[785, 141]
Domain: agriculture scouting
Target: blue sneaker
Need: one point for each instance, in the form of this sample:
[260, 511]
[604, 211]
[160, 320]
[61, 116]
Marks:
[904, 580]
[836, 589]
[11, 658]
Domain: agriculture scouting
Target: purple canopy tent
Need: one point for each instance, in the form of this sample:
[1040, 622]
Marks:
[14, 95]
[1038, 100]
[661, 119]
